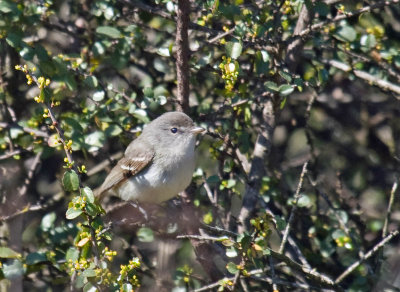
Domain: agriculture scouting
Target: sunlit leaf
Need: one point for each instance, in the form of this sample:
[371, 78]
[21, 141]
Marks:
[108, 31]
[70, 181]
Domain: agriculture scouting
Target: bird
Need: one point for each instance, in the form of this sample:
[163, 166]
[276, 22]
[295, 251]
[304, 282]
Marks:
[158, 164]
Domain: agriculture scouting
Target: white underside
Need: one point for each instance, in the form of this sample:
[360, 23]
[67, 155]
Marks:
[155, 186]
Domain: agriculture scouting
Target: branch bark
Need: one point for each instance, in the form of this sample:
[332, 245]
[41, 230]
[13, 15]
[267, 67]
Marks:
[182, 55]
[261, 151]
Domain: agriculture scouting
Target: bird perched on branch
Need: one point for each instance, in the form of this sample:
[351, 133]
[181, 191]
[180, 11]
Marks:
[158, 164]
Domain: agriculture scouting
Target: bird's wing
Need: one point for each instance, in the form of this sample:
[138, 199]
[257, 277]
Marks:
[134, 161]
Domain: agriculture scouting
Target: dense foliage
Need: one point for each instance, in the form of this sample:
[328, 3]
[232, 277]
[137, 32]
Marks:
[297, 175]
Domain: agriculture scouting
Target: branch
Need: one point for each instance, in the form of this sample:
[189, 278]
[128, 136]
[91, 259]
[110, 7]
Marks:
[10, 154]
[376, 248]
[291, 217]
[345, 15]
[28, 130]
[105, 163]
[262, 148]
[389, 209]
[182, 55]
[296, 45]
[383, 84]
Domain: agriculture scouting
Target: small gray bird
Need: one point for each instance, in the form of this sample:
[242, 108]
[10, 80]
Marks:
[158, 164]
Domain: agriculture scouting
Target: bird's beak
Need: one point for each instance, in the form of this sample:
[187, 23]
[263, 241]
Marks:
[197, 130]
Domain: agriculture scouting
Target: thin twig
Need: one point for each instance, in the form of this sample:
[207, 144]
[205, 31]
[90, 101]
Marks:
[202, 237]
[389, 209]
[376, 248]
[37, 207]
[221, 35]
[296, 199]
[28, 130]
[386, 85]
[10, 154]
[104, 164]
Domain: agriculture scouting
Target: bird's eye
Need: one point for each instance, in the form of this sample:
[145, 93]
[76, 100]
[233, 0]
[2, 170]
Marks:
[174, 130]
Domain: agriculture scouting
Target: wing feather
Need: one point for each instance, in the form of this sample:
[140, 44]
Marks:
[134, 161]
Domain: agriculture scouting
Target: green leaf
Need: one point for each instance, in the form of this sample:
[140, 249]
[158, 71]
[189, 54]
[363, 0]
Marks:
[70, 181]
[271, 86]
[262, 62]
[280, 222]
[145, 234]
[89, 273]
[7, 7]
[98, 95]
[36, 257]
[213, 179]
[72, 213]
[13, 270]
[8, 253]
[231, 252]
[48, 221]
[304, 201]
[88, 193]
[95, 140]
[283, 103]
[91, 209]
[91, 81]
[89, 287]
[368, 41]
[286, 76]
[346, 33]
[108, 31]
[232, 268]
[338, 233]
[148, 92]
[234, 49]
[113, 130]
[127, 287]
[14, 40]
[72, 254]
[285, 89]
[141, 115]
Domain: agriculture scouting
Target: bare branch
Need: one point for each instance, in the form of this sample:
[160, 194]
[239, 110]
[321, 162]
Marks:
[389, 209]
[375, 249]
[383, 84]
[292, 213]
[25, 129]
[296, 45]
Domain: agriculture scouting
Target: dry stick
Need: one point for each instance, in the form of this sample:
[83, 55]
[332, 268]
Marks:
[296, 199]
[376, 248]
[182, 55]
[389, 209]
[386, 85]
